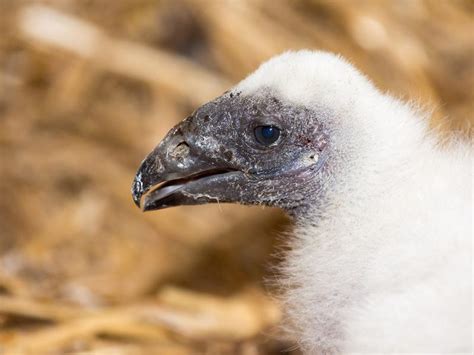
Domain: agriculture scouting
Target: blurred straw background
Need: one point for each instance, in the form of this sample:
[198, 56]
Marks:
[87, 88]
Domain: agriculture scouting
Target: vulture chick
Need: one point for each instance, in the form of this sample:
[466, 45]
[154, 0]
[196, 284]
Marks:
[381, 248]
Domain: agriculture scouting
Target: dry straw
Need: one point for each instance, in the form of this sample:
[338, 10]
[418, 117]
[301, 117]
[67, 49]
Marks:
[88, 87]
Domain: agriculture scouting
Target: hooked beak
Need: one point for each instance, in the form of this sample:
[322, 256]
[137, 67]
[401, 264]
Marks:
[175, 173]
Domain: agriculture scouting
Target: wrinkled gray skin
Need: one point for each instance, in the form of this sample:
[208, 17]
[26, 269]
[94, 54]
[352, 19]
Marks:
[213, 156]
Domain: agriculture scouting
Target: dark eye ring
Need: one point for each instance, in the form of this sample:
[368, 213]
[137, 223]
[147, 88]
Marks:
[267, 135]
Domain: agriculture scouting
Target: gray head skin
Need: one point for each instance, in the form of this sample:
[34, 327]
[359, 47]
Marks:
[215, 155]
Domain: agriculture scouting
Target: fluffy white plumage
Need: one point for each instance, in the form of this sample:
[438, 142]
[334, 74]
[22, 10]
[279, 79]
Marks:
[385, 263]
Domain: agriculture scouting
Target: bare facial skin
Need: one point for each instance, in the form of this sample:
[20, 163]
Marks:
[215, 155]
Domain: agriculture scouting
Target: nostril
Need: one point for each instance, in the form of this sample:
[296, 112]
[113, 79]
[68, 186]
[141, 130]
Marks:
[181, 151]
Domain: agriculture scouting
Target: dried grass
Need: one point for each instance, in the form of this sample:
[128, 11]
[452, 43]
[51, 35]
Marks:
[87, 88]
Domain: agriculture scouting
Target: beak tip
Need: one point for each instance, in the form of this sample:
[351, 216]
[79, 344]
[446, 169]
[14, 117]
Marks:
[137, 192]
[136, 201]
[150, 205]
[147, 206]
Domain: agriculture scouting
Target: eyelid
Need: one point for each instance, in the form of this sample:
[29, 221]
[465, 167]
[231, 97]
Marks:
[257, 123]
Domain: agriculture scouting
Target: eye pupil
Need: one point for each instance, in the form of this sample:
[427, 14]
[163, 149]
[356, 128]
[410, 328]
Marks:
[268, 132]
[267, 135]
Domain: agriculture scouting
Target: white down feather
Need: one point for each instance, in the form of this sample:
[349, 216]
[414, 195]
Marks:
[385, 264]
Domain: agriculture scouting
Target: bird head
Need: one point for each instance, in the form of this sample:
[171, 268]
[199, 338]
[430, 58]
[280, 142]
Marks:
[268, 141]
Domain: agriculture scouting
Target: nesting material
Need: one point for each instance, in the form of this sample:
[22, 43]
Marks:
[87, 88]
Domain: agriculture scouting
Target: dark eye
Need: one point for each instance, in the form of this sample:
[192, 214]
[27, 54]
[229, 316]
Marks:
[267, 135]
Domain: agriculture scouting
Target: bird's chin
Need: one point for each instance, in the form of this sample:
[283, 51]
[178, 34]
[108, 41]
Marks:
[211, 186]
